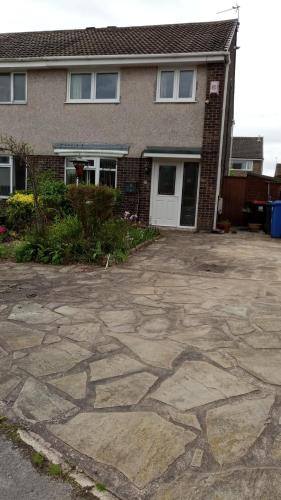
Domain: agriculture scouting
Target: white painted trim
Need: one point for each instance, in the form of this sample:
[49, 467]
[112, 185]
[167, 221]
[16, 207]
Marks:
[9, 165]
[93, 99]
[12, 101]
[176, 97]
[172, 155]
[89, 153]
[246, 159]
[95, 168]
[221, 144]
[153, 190]
[109, 60]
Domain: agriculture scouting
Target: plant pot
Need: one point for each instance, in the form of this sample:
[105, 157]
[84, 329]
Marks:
[254, 227]
[224, 226]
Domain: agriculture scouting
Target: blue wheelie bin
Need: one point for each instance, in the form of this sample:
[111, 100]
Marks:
[276, 219]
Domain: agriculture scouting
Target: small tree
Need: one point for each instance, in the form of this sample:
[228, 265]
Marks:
[23, 151]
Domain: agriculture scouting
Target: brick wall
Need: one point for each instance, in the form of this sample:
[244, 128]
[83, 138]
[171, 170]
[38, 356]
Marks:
[49, 163]
[136, 170]
[210, 148]
[257, 166]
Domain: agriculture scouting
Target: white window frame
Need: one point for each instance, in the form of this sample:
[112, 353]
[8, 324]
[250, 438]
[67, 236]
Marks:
[247, 165]
[10, 166]
[176, 97]
[93, 99]
[13, 101]
[95, 167]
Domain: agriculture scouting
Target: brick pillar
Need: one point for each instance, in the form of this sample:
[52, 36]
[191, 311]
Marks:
[136, 170]
[210, 148]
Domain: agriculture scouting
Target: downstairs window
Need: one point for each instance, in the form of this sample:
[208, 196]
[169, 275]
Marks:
[12, 176]
[98, 171]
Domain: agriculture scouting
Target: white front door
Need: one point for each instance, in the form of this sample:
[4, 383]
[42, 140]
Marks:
[166, 194]
[174, 193]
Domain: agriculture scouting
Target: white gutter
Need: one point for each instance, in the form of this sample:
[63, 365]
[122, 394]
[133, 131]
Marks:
[109, 153]
[112, 60]
[221, 143]
[172, 155]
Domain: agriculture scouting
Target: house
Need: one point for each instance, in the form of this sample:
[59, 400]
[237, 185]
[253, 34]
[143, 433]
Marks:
[147, 109]
[246, 156]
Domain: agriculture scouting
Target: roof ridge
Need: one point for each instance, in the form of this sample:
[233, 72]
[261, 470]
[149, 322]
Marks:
[73, 30]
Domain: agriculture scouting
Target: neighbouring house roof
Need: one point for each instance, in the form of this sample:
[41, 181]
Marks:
[160, 39]
[171, 152]
[247, 148]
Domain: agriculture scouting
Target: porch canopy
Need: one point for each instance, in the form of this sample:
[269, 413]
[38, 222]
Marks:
[170, 152]
[91, 150]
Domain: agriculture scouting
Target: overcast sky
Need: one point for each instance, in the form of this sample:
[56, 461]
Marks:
[258, 75]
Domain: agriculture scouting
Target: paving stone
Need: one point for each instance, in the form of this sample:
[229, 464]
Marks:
[118, 317]
[263, 340]
[113, 366]
[85, 332]
[258, 484]
[54, 358]
[268, 323]
[222, 358]
[3, 353]
[77, 314]
[197, 383]
[233, 428]
[19, 354]
[125, 391]
[155, 325]
[74, 384]
[31, 312]
[103, 349]
[52, 339]
[197, 458]
[7, 385]
[262, 363]
[276, 448]
[186, 419]
[37, 402]
[130, 442]
[160, 353]
[239, 326]
[18, 336]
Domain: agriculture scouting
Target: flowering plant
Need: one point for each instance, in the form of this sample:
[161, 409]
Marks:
[3, 233]
[22, 198]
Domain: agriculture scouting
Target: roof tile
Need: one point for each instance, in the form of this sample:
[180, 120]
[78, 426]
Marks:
[159, 39]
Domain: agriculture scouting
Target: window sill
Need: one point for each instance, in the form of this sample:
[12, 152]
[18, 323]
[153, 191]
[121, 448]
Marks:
[4, 197]
[13, 103]
[89, 101]
[175, 101]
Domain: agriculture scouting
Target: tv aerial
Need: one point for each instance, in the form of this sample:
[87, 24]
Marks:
[235, 7]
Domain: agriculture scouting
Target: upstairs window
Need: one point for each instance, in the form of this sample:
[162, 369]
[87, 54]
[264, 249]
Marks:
[177, 85]
[245, 165]
[12, 88]
[12, 176]
[94, 87]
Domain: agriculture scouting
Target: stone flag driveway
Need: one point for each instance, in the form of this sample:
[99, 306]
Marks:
[161, 378]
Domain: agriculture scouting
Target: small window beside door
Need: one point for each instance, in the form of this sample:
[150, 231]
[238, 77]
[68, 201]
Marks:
[167, 180]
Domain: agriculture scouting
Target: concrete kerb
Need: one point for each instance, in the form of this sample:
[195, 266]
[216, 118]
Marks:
[38, 444]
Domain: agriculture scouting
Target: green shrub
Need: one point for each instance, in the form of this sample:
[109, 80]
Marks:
[92, 204]
[52, 195]
[20, 211]
[61, 243]
[113, 236]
